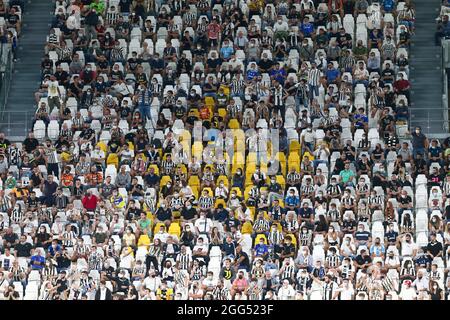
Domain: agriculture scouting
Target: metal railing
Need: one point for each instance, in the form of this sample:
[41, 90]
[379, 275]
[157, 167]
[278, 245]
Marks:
[6, 70]
[16, 123]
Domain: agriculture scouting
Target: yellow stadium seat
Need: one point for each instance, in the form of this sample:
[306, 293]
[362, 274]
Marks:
[250, 170]
[223, 179]
[280, 179]
[210, 192]
[234, 124]
[247, 228]
[294, 161]
[144, 241]
[238, 159]
[102, 146]
[259, 237]
[209, 101]
[175, 229]
[294, 240]
[164, 180]
[155, 167]
[220, 201]
[149, 214]
[197, 149]
[194, 181]
[158, 226]
[195, 191]
[294, 146]
[281, 157]
[238, 191]
[194, 112]
[309, 155]
[226, 89]
[251, 157]
[252, 210]
[247, 191]
[222, 112]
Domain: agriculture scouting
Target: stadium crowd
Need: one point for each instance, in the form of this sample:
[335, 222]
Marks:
[221, 149]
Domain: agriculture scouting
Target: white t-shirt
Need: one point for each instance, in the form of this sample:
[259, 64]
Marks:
[204, 225]
[346, 294]
[53, 89]
[408, 248]
[152, 284]
[125, 262]
[408, 294]
[286, 293]
[7, 261]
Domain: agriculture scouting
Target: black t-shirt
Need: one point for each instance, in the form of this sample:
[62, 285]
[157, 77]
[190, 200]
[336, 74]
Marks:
[133, 213]
[23, 249]
[124, 5]
[163, 214]
[63, 285]
[213, 63]
[227, 273]
[188, 214]
[87, 133]
[245, 263]
[288, 249]
[229, 248]
[125, 111]
[434, 248]
[62, 261]
[349, 224]
[113, 146]
[10, 238]
[103, 64]
[13, 18]
[35, 179]
[360, 260]
[50, 188]
[29, 144]
[405, 200]
[265, 65]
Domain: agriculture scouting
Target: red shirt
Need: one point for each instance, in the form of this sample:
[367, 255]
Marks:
[90, 202]
[213, 31]
[401, 85]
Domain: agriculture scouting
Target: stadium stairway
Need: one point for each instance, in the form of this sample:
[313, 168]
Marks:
[26, 73]
[426, 71]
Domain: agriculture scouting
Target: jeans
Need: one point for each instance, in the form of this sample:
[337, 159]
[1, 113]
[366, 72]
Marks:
[417, 151]
[144, 109]
[53, 168]
[313, 91]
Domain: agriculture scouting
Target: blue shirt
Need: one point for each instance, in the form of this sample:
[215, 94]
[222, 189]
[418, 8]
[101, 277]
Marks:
[307, 29]
[39, 259]
[391, 236]
[362, 235]
[252, 74]
[360, 119]
[54, 251]
[278, 75]
[226, 52]
[261, 249]
[434, 151]
[292, 201]
[388, 5]
[229, 248]
[332, 74]
[378, 250]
